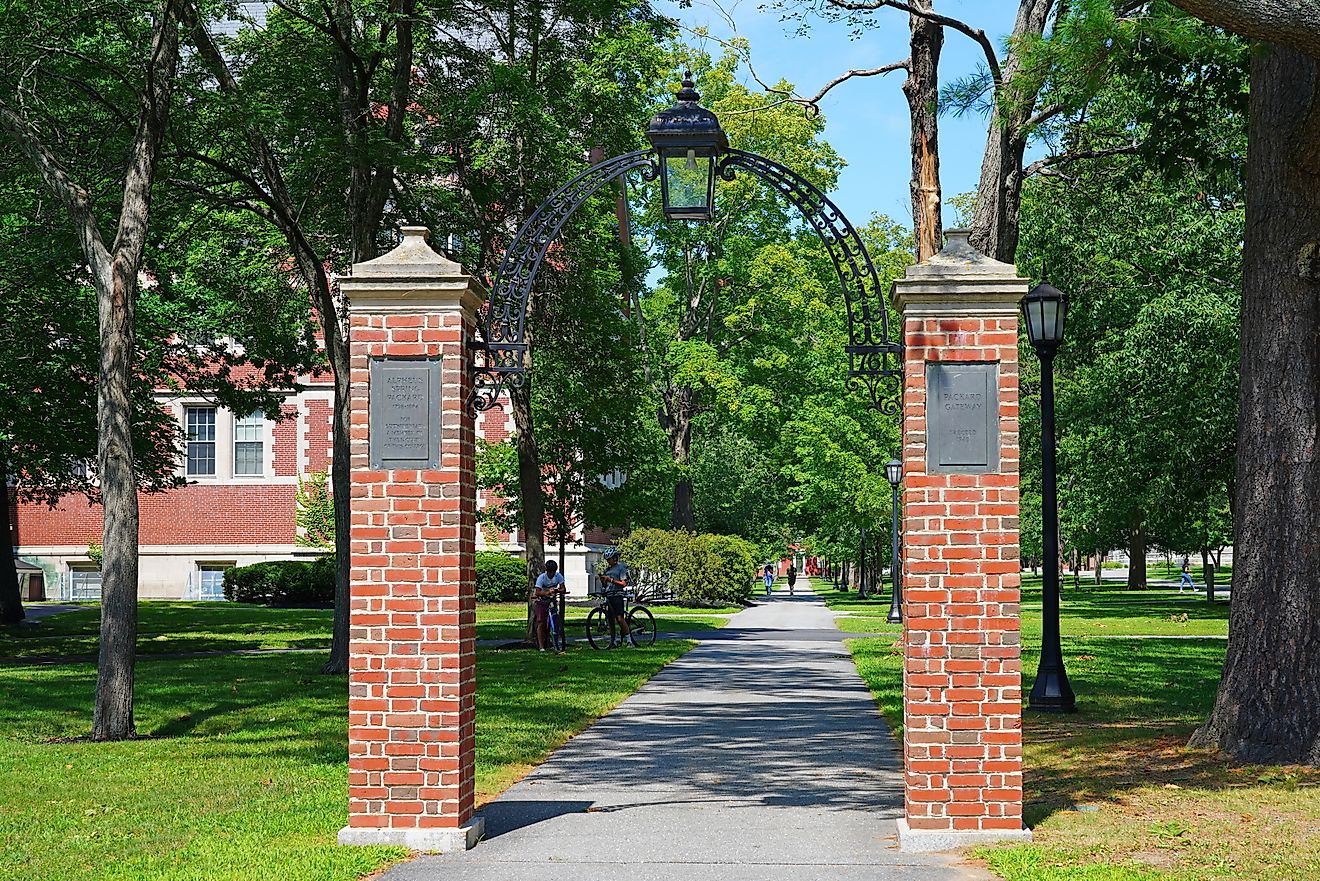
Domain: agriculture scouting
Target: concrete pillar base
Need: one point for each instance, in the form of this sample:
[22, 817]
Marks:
[429, 840]
[931, 840]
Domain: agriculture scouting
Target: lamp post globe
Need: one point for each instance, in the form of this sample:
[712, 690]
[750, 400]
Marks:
[1045, 310]
[689, 141]
[894, 474]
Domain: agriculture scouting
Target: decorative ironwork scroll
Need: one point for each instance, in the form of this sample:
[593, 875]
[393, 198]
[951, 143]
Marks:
[875, 361]
[502, 353]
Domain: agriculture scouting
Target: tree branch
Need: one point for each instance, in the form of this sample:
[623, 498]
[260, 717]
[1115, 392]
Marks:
[976, 34]
[1042, 166]
[73, 196]
[815, 99]
[1294, 23]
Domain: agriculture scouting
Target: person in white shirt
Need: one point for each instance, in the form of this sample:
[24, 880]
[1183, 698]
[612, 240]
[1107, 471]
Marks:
[548, 584]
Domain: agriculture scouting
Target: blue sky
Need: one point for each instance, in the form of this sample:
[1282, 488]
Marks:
[866, 118]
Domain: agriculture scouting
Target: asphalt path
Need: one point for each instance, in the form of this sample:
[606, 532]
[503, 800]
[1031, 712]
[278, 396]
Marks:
[758, 755]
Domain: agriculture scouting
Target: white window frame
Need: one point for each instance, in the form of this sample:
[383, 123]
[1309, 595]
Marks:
[214, 441]
[205, 566]
[262, 441]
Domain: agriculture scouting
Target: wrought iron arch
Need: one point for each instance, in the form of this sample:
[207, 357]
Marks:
[875, 361]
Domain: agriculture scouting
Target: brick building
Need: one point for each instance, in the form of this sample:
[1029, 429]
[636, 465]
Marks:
[237, 508]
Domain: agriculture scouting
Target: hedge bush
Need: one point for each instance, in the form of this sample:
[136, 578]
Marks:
[283, 583]
[501, 577]
[700, 569]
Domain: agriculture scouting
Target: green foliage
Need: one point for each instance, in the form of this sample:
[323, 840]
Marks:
[1148, 245]
[315, 516]
[700, 569]
[95, 553]
[283, 583]
[501, 577]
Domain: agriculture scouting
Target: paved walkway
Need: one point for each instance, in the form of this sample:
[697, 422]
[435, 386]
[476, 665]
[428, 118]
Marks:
[758, 756]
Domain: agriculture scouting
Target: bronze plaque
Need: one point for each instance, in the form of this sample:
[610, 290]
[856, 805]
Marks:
[404, 428]
[962, 418]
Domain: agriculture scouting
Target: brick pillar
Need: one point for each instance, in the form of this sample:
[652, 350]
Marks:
[412, 670]
[962, 679]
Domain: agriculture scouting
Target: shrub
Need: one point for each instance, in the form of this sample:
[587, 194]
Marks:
[725, 574]
[699, 569]
[283, 583]
[501, 577]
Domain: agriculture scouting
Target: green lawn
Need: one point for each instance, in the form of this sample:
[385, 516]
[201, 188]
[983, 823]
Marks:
[241, 771]
[1108, 611]
[1112, 793]
[167, 627]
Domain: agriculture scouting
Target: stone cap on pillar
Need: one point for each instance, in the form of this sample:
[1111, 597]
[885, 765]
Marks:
[960, 279]
[412, 277]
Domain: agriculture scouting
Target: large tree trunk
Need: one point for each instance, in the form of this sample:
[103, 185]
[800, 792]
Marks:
[922, 89]
[1268, 705]
[999, 192]
[11, 601]
[1136, 579]
[113, 718]
[116, 304]
[531, 487]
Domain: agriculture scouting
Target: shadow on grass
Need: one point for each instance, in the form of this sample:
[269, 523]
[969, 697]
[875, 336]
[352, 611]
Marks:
[1137, 704]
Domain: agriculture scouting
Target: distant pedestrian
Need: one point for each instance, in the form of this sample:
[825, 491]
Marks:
[1186, 580]
[792, 577]
[769, 578]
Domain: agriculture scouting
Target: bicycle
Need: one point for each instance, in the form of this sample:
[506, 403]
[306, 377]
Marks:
[600, 626]
[558, 639]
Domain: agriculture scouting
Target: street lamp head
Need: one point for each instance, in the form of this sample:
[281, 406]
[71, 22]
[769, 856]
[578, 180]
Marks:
[1046, 311]
[690, 142]
[894, 471]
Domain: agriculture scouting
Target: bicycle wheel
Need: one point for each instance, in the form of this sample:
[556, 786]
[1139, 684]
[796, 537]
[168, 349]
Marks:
[641, 624]
[598, 628]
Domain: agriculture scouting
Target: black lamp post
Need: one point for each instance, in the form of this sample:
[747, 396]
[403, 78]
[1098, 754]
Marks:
[894, 471]
[1046, 310]
[690, 142]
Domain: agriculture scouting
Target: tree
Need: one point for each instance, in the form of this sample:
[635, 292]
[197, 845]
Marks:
[292, 167]
[1267, 708]
[517, 96]
[114, 271]
[721, 317]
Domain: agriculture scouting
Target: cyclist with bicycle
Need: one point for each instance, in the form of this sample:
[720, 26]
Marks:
[615, 579]
[548, 585]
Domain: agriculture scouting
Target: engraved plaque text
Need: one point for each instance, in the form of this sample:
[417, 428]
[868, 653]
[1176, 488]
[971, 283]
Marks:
[404, 429]
[962, 418]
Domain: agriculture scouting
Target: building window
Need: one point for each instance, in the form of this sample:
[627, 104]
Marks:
[84, 584]
[211, 580]
[250, 445]
[200, 425]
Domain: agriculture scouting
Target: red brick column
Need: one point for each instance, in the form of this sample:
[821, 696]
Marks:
[962, 672]
[412, 670]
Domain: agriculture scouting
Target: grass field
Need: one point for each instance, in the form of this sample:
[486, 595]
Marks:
[1112, 792]
[174, 627]
[241, 770]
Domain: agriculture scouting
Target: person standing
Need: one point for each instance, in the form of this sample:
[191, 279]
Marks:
[615, 578]
[548, 585]
[792, 576]
[769, 578]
